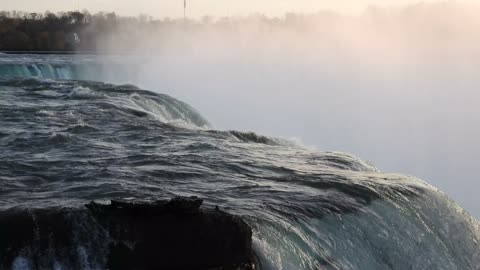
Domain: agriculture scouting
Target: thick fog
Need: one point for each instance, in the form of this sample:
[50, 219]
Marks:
[398, 87]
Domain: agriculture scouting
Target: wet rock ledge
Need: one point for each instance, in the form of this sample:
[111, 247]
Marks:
[178, 234]
[175, 234]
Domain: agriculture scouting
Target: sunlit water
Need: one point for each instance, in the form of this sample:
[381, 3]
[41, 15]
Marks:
[64, 142]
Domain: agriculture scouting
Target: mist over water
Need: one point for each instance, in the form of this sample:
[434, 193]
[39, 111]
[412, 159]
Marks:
[398, 87]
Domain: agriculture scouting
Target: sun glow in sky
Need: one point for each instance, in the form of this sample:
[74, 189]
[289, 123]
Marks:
[200, 8]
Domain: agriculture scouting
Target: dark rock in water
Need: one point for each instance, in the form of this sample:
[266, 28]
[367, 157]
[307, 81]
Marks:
[43, 236]
[184, 205]
[176, 234]
[187, 205]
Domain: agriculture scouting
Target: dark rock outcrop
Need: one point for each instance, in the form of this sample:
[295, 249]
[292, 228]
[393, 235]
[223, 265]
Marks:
[174, 234]
[177, 234]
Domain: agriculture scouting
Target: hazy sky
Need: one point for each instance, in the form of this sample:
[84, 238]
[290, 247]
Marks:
[199, 8]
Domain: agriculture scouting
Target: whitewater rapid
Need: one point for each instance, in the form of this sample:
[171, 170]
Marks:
[66, 142]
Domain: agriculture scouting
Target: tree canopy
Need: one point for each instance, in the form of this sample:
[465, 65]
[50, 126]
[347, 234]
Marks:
[66, 31]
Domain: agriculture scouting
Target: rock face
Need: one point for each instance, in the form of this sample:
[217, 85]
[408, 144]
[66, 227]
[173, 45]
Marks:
[174, 234]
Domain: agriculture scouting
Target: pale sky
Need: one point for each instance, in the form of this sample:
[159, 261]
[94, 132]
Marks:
[199, 8]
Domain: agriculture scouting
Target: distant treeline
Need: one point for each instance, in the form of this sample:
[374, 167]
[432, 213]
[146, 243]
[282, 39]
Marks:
[436, 23]
[64, 31]
[83, 31]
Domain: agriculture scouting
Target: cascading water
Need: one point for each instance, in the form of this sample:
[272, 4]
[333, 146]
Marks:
[66, 142]
[66, 67]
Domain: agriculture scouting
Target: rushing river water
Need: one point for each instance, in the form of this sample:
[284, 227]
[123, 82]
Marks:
[65, 141]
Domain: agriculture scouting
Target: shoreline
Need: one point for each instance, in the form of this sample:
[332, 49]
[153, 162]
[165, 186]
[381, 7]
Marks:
[64, 52]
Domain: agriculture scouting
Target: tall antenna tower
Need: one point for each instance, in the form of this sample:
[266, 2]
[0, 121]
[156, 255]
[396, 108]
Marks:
[184, 10]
